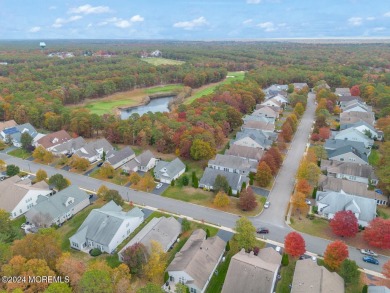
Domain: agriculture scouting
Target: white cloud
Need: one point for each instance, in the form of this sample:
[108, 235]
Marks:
[267, 26]
[89, 9]
[248, 21]
[378, 29]
[34, 29]
[122, 23]
[370, 18]
[59, 22]
[137, 18]
[189, 25]
[355, 21]
[387, 14]
[253, 1]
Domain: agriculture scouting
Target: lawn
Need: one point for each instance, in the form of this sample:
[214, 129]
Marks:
[118, 178]
[383, 212]
[205, 198]
[373, 158]
[16, 223]
[164, 89]
[209, 89]
[287, 274]
[161, 61]
[20, 153]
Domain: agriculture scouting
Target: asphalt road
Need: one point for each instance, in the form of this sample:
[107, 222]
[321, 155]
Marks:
[272, 218]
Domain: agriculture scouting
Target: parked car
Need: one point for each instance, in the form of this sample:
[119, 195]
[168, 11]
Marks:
[69, 155]
[368, 252]
[370, 259]
[100, 164]
[379, 191]
[262, 230]
[90, 196]
[267, 204]
[308, 202]
[159, 185]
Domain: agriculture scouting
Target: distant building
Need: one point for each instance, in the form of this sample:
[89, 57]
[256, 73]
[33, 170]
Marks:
[93, 150]
[144, 162]
[342, 91]
[166, 172]
[14, 134]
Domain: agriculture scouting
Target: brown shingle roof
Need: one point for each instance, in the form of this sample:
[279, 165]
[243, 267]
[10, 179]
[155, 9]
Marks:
[53, 139]
[245, 152]
[353, 117]
[261, 125]
[353, 169]
[7, 124]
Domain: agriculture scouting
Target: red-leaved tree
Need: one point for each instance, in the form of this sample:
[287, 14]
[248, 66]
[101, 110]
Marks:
[355, 90]
[344, 223]
[294, 244]
[324, 133]
[386, 269]
[304, 186]
[378, 233]
[336, 252]
[247, 200]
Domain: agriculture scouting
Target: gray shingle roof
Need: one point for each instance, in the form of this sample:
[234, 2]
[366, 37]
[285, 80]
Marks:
[352, 117]
[114, 157]
[54, 138]
[245, 152]
[235, 180]
[347, 149]
[71, 145]
[364, 171]
[90, 149]
[232, 162]
[169, 169]
[198, 257]
[256, 135]
[332, 144]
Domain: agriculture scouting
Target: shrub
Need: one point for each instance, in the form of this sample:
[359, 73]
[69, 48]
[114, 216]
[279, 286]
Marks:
[95, 252]
[256, 250]
[227, 246]
[185, 225]
[285, 260]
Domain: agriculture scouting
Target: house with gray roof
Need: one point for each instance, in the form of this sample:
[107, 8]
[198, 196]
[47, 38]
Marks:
[343, 100]
[355, 106]
[300, 85]
[118, 158]
[56, 209]
[254, 138]
[268, 110]
[347, 154]
[93, 150]
[331, 202]
[235, 180]
[353, 117]
[252, 154]
[366, 129]
[17, 195]
[310, 277]
[195, 263]
[168, 171]
[14, 134]
[350, 171]
[353, 134]
[233, 164]
[69, 147]
[143, 162]
[255, 118]
[163, 230]
[51, 140]
[333, 144]
[105, 228]
[252, 273]
[259, 125]
[342, 91]
[276, 89]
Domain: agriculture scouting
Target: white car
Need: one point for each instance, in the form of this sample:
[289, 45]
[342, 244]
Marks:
[159, 185]
[368, 252]
[308, 202]
[267, 204]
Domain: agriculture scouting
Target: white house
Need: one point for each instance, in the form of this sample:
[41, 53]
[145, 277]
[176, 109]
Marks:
[367, 130]
[235, 180]
[272, 103]
[195, 264]
[93, 150]
[106, 228]
[348, 154]
[354, 135]
[51, 140]
[144, 162]
[331, 202]
[69, 147]
[18, 196]
[280, 98]
[14, 134]
[166, 172]
[119, 158]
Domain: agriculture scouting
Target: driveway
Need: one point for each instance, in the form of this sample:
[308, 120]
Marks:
[90, 171]
[260, 191]
[161, 189]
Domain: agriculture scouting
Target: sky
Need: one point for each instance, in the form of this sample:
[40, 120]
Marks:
[194, 20]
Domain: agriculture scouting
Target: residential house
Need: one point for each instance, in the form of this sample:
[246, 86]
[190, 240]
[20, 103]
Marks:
[377, 289]
[275, 108]
[93, 150]
[310, 277]
[280, 98]
[255, 118]
[298, 86]
[259, 125]
[366, 129]
[14, 134]
[252, 273]
[271, 103]
[51, 140]
[118, 158]
[105, 228]
[276, 89]
[253, 138]
[356, 106]
[347, 154]
[163, 230]
[333, 144]
[327, 183]
[331, 202]
[343, 91]
[69, 147]
[350, 171]
[353, 134]
[235, 180]
[252, 154]
[56, 209]
[144, 162]
[7, 124]
[18, 195]
[156, 53]
[166, 172]
[347, 118]
[195, 263]
[343, 100]
[233, 164]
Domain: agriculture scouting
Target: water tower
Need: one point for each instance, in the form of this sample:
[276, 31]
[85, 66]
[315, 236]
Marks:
[42, 45]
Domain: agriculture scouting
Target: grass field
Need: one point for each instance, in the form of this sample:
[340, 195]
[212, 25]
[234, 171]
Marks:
[161, 61]
[20, 153]
[287, 274]
[373, 158]
[209, 89]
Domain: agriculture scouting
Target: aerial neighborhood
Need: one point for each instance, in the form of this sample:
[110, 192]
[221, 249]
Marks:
[155, 171]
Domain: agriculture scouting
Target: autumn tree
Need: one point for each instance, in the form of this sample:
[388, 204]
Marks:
[72, 267]
[276, 155]
[201, 150]
[287, 132]
[155, 267]
[134, 178]
[270, 161]
[96, 281]
[247, 201]
[39, 153]
[298, 200]
[3, 164]
[26, 141]
[309, 171]
[336, 252]
[107, 171]
[264, 174]
[221, 199]
[8, 231]
[221, 184]
[294, 244]
[135, 257]
[12, 170]
[113, 195]
[102, 191]
[349, 271]
[377, 233]
[324, 133]
[146, 183]
[79, 163]
[42, 245]
[386, 269]
[245, 235]
[355, 91]
[299, 109]
[40, 175]
[58, 181]
[304, 187]
[345, 224]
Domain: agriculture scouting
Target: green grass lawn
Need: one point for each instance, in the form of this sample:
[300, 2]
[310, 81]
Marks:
[314, 227]
[16, 223]
[231, 76]
[383, 212]
[287, 274]
[373, 158]
[161, 61]
[188, 194]
[20, 153]
[164, 89]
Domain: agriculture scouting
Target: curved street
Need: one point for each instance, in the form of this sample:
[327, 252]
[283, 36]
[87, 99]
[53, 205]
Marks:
[273, 218]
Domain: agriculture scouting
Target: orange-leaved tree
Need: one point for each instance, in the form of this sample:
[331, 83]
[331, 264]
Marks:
[294, 244]
[336, 252]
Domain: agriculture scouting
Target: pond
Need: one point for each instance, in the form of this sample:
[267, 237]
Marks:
[155, 105]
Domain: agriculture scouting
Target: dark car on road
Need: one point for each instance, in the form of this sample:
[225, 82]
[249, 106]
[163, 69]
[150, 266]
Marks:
[370, 259]
[262, 230]
[100, 164]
